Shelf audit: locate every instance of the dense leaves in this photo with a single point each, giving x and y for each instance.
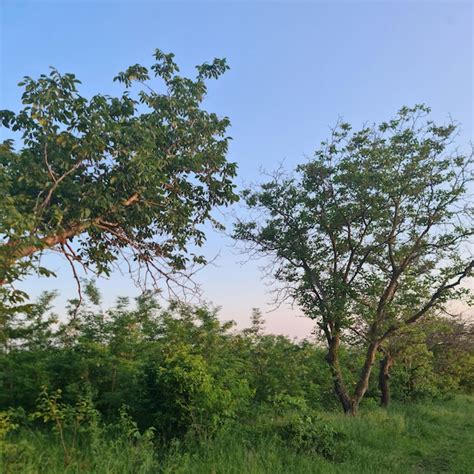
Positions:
(136, 386)
(179, 368)
(105, 178)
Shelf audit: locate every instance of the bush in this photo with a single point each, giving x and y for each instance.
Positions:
(299, 428)
(310, 434)
(187, 397)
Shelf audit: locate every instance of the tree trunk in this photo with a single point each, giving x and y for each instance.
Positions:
(332, 358)
(384, 375)
(363, 382)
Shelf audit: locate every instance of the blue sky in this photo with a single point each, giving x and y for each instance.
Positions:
(295, 68)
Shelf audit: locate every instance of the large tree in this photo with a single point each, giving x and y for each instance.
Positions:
(370, 234)
(104, 178)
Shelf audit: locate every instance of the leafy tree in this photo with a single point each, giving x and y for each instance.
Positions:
(193, 380)
(428, 359)
(451, 341)
(406, 352)
(106, 178)
(368, 234)
(31, 329)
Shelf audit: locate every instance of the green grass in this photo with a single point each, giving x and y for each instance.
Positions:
(431, 438)
(417, 438)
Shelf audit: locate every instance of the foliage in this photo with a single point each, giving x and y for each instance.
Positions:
(303, 430)
(431, 358)
(369, 237)
(408, 438)
(69, 422)
(7, 449)
(103, 179)
(188, 396)
(184, 372)
(141, 388)
(370, 234)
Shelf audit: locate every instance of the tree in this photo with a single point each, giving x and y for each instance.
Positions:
(107, 178)
(431, 357)
(407, 348)
(370, 234)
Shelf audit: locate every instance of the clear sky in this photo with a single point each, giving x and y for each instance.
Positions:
(295, 68)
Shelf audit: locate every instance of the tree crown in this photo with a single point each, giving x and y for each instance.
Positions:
(132, 176)
(372, 227)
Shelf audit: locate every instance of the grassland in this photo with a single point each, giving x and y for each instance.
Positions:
(417, 438)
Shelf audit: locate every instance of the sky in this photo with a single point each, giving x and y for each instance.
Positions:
(296, 68)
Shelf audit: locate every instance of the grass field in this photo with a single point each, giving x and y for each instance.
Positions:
(417, 438)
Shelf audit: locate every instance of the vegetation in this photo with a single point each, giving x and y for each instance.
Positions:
(106, 179)
(416, 438)
(370, 238)
(141, 388)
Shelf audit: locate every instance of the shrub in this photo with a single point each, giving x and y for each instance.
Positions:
(311, 434)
